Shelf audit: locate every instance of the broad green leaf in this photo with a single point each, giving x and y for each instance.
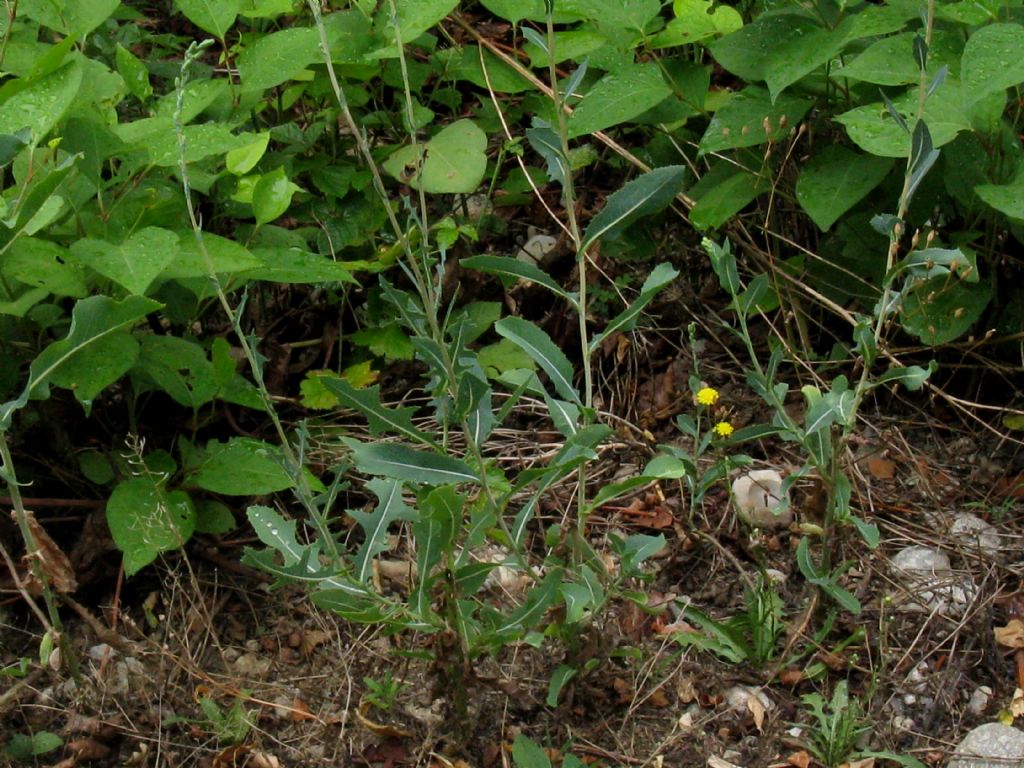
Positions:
(750, 52)
(408, 464)
(992, 60)
(180, 368)
(23, 747)
(527, 754)
(515, 268)
(42, 103)
(642, 196)
(388, 341)
(890, 61)
(390, 508)
(503, 356)
(265, 9)
(134, 72)
(697, 20)
(98, 366)
(382, 420)
(618, 97)
(201, 141)
(213, 16)
(1005, 198)
(278, 57)
(227, 257)
(873, 129)
(464, 64)
(272, 195)
(721, 194)
(665, 467)
(751, 117)
(835, 179)
(617, 16)
(532, 10)
(570, 45)
(242, 467)
(214, 517)
(802, 56)
(243, 159)
(145, 519)
(93, 320)
(69, 17)
(135, 263)
(290, 265)
(44, 264)
(660, 276)
(943, 308)
(414, 18)
(452, 162)
(539, 346)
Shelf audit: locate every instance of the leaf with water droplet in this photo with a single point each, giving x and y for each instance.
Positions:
(41, 104)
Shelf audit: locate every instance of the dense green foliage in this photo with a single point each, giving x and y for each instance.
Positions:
(150, 208)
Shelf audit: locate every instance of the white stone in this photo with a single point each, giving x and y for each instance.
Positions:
(974, 534)
(917, 560)
(738, 697)
(759, 499)
(537, 249)
(930, 585)
(251, 665)
(992, 745)
(979, 700)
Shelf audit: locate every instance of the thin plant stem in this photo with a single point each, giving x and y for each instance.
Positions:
(54, 626)
(293, 465)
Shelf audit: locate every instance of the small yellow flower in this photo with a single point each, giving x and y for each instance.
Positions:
(707, 396)
(723, 429)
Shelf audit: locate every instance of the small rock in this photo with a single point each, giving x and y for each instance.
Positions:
(921, 560)
(478, 206)
(537, 249)
(101, 652)
(992, 745)
(974, 534)
(251, 665)
(759, 499)
(930, 584)
(738, 696)
(231, 654)
(979, 700)
(775, 576)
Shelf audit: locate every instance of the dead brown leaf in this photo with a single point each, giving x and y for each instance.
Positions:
(791, 676)
(300, 711)
(867, 762)
(757, 710)
(658, 698)
(881, 468)
(236, 756)
(311, 638)
(53, 564)
(88, 749)
(1012, 635)
(263, 760)
(799, 759)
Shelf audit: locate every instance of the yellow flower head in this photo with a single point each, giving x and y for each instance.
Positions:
(707, 396)
(723, 429)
